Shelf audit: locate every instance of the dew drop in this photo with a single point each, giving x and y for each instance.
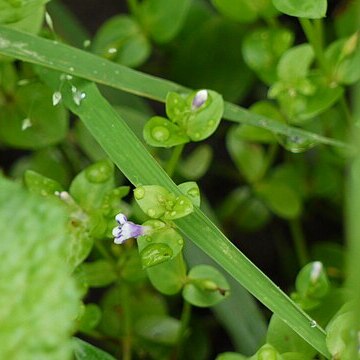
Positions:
(139, 193)
(313, 323)
(173, 213)
(26, 123)
(78, 96)
(151, 212)
(211, 122)
(181, 242)
(112, 50)
(86, 43)
(193, 192)
(71, 69)
(148, 238)
(197, 135)
(181, 202)
(160, 133)
(161, 198)
(56, 98)
(23, 82)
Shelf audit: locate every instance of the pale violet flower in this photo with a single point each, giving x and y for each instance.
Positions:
(200, 98)
(127, 229)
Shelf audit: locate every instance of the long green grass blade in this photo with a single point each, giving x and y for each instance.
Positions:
(130, 155)
(64, 58)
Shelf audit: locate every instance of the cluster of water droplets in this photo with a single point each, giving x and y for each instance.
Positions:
(77, 95)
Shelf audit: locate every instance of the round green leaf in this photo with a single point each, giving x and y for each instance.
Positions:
(248, 157)
(162, 19)
(344, 58)
(160, 132)
(239, 10)
(90, 317)
(191, 190)
(86, 351)
(121, 39)
(12, 11)
(98, 273)
(155, 253)
(205, 286)
(284, 339)
(161, 235)
(231, 356)
(176, 106)
(312, 281)
(303, 9)
(168, 277)
(41, 185)
(262, 49)
(280, 198)
(162, 330)
(197, 163)
(204, 121)
(31, 121)
(91, 185)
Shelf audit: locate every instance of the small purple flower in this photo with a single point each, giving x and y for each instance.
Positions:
(127, 229)
(200, 98)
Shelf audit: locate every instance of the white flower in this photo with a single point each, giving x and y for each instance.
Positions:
(127, 229)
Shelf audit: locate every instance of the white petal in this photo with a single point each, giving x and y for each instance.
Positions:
(116, 231)
(121, 218)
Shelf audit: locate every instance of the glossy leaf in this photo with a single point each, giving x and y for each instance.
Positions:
(86, 351)
(303, 9)
(192, 191)
(197, 163)
(168, 277)
(41, 185)
(91, 185)
(30, 121)
(120, 39)
(90, 317)
(160, 132)
(262, 49)
(280, 198)
(98, 273)
(205, 286)
(162, 19)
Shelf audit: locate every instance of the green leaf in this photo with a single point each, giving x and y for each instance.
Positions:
(248, 157)
(244, 10)
(344, 56)
(197, 163)
(91, 185)
(86, 351)
(267, 352)
(162, 244)
(31, 121)
(32, 23)
(192, 191)
(41, 185)
(120, 39)
(284, 339)
(280, 198)
(303, 9)
(205, 286)
(33, 271)
(160, 132)
(12, 11)
(168, 277)
(262, 49)
(312, 281)
(162, 19)
(158, 329)
(90, 318)
(230, 356)
(98, 273)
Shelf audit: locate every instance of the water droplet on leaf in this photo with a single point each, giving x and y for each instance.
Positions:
(139, 193)
(160, 133)
(56, 98)
(151, 212)
(313, 323)
(26, 123)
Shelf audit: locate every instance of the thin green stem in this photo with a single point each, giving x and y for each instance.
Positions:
(184, 323)
(345, 109)
(127, 339)
(299, 241)
(315, 41)
(174, 159)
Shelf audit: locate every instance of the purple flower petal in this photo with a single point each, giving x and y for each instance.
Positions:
(200, 98)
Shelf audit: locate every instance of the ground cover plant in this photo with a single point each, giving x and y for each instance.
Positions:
(181, 183)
